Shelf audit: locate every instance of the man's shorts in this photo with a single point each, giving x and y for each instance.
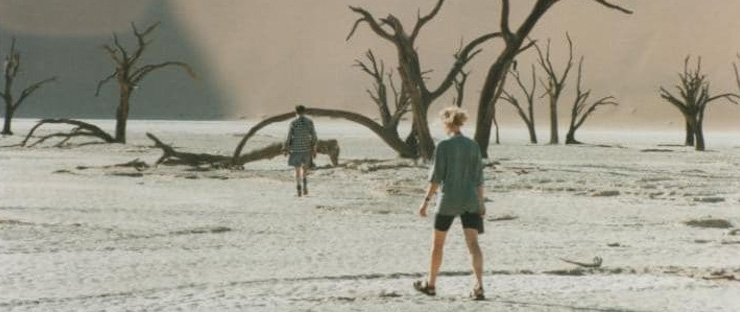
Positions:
(469, 221)
(300, 159)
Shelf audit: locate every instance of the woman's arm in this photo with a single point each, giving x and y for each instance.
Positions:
(436, 177)
(482, 199)
(430, 192)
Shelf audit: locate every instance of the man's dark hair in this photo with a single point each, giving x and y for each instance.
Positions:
(300, 109)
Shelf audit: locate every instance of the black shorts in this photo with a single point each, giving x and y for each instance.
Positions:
(469, 221)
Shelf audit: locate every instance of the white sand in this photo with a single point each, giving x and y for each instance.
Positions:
(176, 239)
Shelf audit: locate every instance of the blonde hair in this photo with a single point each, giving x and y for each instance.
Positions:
(453, 116)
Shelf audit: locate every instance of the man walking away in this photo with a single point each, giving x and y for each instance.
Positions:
(301, 146)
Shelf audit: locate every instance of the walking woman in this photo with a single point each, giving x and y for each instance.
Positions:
(458, 169)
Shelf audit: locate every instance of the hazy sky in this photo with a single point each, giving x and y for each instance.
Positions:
(265, 56)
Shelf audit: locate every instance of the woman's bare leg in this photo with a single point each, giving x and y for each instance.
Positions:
(471, 239)
(438, 245)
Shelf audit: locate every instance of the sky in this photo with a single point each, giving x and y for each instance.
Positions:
(261, 57)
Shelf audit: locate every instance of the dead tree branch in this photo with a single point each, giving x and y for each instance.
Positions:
(379, 94)
(139, 74)
(526, 114)
(392, 140)
(82, 129)
(581, 109)
(614, 6)
(597, 262)
(11, 69)
(421, 21)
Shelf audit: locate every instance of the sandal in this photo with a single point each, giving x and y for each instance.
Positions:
(478, 294)
(423, 287)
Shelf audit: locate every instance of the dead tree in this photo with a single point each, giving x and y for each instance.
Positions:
(391, 29)
(82, 129)
(129, 74)
(11, 69)
(527, 114)
(514, 44)
(582, 109)
(692, 101)
(554, 84)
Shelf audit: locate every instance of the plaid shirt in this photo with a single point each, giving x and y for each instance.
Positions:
(301, 135)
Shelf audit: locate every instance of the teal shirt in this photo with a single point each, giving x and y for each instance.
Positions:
(458, 169)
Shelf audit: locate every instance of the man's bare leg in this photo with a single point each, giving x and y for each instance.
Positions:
(298, 180)
(306, 169)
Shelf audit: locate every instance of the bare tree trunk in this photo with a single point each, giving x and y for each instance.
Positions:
(411, 140)
(532, 133)
(122, 114)
(495, 124)
(698, 131)
(8, 118)
(689, 133)
(423, 136)
(570, 138)
(530, 124)
(699, 137)
(499, 69)
(10, 70)
(410, 72)
(554, 122)
(486, 103)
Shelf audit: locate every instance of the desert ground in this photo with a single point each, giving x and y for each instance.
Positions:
(78, 234)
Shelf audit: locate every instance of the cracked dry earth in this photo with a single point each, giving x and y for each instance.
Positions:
(79, 235)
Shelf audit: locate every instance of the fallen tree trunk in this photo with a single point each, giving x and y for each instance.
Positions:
(327, 147)
(172, 157)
